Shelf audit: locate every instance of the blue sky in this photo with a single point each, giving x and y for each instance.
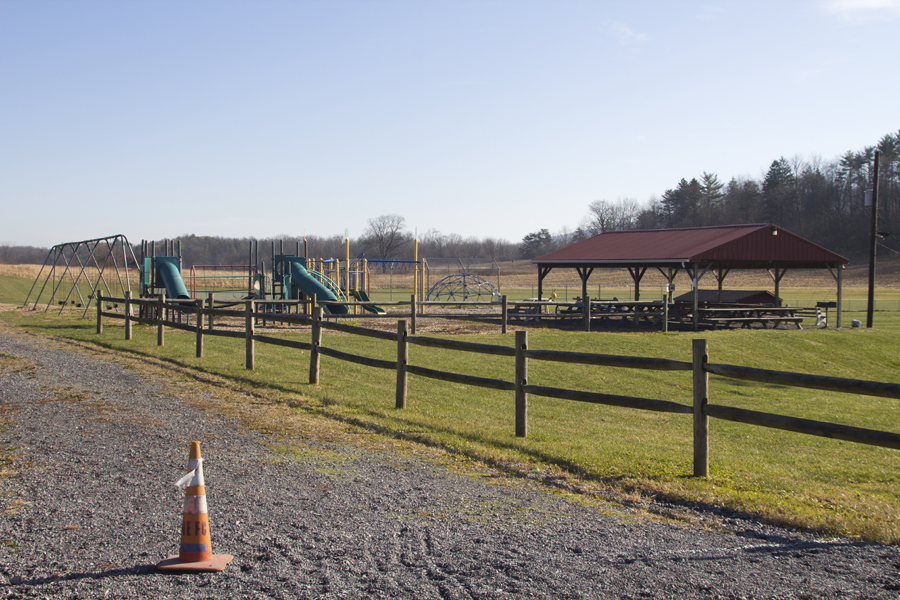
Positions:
(488, 118)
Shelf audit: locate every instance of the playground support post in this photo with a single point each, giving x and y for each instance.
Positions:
(421, 267)
(346, 269)
(402, 361)
(412, 314)
(701, 399)
(521, 382)
(416, 275)
(365, 275)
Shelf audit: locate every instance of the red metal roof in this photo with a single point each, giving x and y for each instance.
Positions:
(740, 245)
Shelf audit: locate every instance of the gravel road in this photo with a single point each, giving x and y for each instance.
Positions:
(90, 508)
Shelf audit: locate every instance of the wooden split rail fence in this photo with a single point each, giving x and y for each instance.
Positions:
(700, 409)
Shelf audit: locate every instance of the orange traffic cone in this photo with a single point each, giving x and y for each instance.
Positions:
(196, 549)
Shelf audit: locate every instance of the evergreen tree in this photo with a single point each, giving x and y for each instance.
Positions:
(710, 198)
(779, 197)
(536, 243)
(680, 206)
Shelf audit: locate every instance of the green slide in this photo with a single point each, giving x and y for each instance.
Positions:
(301, 279)
(167, 268)
(362, 296)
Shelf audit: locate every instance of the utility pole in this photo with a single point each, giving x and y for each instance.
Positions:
(873, 238)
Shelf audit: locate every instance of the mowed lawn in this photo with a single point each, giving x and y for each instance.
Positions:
(825, 485)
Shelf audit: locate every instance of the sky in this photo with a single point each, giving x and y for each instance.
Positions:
(484, 118)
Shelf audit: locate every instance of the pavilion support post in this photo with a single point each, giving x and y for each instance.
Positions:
(721, 273)
(669, 274)
(637, 273)
(542, 272)
(584, 274)
(671, 286)
(777, 277)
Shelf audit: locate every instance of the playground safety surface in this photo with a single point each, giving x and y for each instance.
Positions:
(91, 449)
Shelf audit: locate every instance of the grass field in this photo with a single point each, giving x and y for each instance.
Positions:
(824, 485)
(820, 484)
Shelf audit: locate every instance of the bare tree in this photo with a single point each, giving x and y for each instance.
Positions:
(386, 236)
(433, 244)
(612, 216)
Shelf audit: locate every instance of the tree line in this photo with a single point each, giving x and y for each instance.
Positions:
(822, 201)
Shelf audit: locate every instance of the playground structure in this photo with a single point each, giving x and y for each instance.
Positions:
(100, 263)
(487, 269)
(73, 272)
(464, 287)
(287, 280)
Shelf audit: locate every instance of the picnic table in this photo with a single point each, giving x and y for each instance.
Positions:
(747, 316)
(534, 309)
(529, 309)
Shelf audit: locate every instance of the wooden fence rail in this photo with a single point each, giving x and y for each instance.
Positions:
(700, 408)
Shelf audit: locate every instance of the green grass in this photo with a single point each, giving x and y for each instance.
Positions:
(820, 484)
(15, 290)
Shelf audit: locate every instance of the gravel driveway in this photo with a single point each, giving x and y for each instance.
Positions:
(91, 508)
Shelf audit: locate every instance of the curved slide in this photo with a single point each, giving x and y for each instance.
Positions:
(362, 296)
(301, 279)
(172, 278)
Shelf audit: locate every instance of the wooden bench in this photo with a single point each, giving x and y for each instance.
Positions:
(524, 312)
(748, 321)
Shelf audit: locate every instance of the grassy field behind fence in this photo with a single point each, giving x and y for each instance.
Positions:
(825, 485)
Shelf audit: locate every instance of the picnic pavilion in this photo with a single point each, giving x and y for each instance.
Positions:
(697, 251)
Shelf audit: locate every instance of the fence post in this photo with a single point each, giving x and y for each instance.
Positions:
(210, 306)
(316, 341)
(402, 361)
(160, 332)
(701, 398)
(128, 315)
(504, 309)
(248, 329)
(99, 312)
(199, 302)
(665, 323)
(412, 316)
(587, 314)
(521, 382)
